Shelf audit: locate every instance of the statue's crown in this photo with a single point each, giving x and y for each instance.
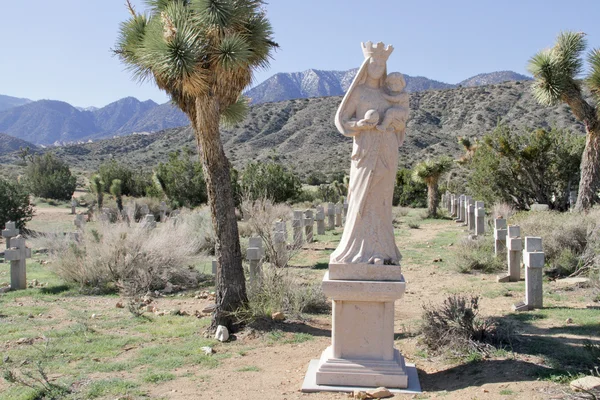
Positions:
(376, 50)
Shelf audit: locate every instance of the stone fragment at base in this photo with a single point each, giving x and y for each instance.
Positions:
(362, 349)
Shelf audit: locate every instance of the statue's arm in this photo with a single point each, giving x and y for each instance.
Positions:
(347, 122)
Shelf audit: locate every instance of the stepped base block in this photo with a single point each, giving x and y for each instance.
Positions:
(310, 382)
(362, 372)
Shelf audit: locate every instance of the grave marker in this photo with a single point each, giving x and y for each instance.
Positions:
(9, 231)
(514, 247)
(163, 211)
(73, 206)
(320, 218)
(309, 223)
(17, 255)
(479, 218)
(500, 233)
(330, 216)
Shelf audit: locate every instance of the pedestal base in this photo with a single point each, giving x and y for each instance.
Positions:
(310, 382)
(361, 372)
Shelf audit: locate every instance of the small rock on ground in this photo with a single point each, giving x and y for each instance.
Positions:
(587, 383)
(222, 333)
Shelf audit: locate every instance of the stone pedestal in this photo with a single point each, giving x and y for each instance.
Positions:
(362, 349)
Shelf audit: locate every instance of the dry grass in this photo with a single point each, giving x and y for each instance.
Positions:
(478, 255)
(131, 258)
(502, 210)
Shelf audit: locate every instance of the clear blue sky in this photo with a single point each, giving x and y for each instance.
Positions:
(61, 49)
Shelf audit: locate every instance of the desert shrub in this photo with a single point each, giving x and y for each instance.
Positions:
(316, 178)
(328, 193)
(408, 193)
(130, 258)
(478, 255)
(565, 237)
(260, 215)
(455, 327)
(14, 204)
(522, 168)
(307, 195)
(182, 180)
(269, 180)
(280, 291)
(134, 182)
(47, 176)
(502, 210)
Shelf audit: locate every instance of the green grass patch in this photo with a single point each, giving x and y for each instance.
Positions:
(158, 377)
(249, 368)
(112, 387)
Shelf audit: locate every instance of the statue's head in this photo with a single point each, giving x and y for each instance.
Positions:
(377, 54)
(395, 82)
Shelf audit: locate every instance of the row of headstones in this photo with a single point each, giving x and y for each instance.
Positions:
(505, 238)
(16, 252)
(466, 211)
(301, 220)
(531, 251)
(149, 221)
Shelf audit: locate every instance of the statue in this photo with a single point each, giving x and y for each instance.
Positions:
(374, 112)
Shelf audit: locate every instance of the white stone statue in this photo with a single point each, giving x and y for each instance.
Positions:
(374, 112)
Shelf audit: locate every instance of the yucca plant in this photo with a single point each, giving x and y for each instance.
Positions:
(116, 189)
(203, 54)
(557, 71)
(429, 172)
(98, 188)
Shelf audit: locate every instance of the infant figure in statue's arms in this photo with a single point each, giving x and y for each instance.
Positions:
(395, 117)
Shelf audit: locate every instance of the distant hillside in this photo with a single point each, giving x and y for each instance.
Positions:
(8, 144)
(301, 134)
(7, 102)
(48, 122)
(315, 83)
(493, 78)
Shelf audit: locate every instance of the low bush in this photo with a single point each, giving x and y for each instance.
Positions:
(47, 176)
(280, 291)
(133, 182)
(182, 180)
(269, 180)
(408, 193)
(130, 258)
(478, 255)
(14, 204)
(455, 327)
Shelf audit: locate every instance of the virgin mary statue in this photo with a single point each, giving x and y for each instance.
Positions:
(369, 234)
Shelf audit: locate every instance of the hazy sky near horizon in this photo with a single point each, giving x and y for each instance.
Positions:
(61, 50)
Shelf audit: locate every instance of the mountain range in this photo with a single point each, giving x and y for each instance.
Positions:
(300, 133)
(51, 122)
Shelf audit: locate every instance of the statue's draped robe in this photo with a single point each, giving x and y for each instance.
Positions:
(369, 231)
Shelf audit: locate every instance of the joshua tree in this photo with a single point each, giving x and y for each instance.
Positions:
(116, 189)
(98, 188)
(429, 172)
(556, 71)
(203, 54)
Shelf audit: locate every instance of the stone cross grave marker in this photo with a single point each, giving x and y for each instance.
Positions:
(479, 218)
(472, 216)
(17, 255)
(533, 258)
(309, 223)
(297, 225)
(330, 216)
(73, 206)
(163, 211)
(500, 233)
(254, 254)
(461, 209)
(338, 215)
(279, 242)
(10, 231)
(320, 218)
(514, 247)
(149, 221)
(80, 221)
(467, 215)
(453, 206)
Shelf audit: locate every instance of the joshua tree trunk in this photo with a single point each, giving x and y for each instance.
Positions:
(230, 280)
(590, 172)
(432, 197)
